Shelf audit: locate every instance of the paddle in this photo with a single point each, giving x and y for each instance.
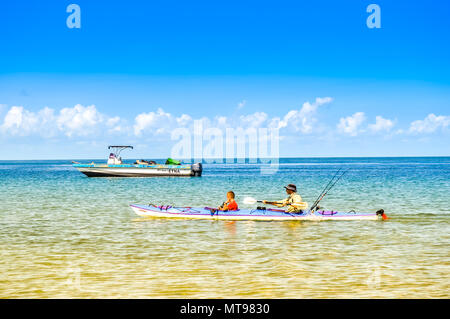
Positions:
(251, 201)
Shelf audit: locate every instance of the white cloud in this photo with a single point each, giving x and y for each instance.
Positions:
(87, 120)
(297, 120)
(116, 125)
(78, 120)
(155, 122)
(16, 120)
(350, 124)
(184, 120)
(323, 100)
(381, 124)
(241, 104)
(430, 124)
(113, 121)
(254, 120)
(21, 122)
(301, 120)
(222, 121)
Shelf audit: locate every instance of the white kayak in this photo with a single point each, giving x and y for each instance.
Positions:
(269, 214)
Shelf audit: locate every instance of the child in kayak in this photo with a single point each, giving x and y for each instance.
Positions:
(230, 203)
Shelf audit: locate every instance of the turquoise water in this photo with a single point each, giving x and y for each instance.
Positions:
(65, 235)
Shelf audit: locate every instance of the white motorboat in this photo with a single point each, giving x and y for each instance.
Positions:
(116, 168)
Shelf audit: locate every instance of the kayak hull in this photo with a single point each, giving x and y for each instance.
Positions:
(245, 214)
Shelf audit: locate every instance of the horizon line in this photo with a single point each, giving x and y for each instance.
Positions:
(235, 158)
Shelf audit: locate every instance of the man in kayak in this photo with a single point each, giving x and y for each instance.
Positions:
(293, 201)
(230, 203)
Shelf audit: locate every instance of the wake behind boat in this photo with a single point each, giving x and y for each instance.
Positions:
(116, 168)
(249, 214)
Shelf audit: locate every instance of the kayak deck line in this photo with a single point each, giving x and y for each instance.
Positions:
(246, 214)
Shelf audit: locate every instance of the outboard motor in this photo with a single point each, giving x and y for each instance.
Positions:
(197, 169)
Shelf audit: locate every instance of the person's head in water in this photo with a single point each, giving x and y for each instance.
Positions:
(230, 195)
(291, 188)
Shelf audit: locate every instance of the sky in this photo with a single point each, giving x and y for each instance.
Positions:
(137, 70)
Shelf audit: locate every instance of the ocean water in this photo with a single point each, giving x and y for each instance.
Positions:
(63, 235)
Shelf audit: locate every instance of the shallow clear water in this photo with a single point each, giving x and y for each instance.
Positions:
(66, 235)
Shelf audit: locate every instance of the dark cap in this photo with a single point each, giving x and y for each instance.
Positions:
(291, 187)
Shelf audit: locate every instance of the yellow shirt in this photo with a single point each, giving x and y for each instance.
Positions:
(294, 203)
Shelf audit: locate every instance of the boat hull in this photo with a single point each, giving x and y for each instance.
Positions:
(95, 170)
(245, 214)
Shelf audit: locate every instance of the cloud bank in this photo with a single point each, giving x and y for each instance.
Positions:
(86, 122)
(76, 121)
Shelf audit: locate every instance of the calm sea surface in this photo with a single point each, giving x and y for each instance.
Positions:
(65, 235)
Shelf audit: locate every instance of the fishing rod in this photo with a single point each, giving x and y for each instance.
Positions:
(327, 188)
(323, 191)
